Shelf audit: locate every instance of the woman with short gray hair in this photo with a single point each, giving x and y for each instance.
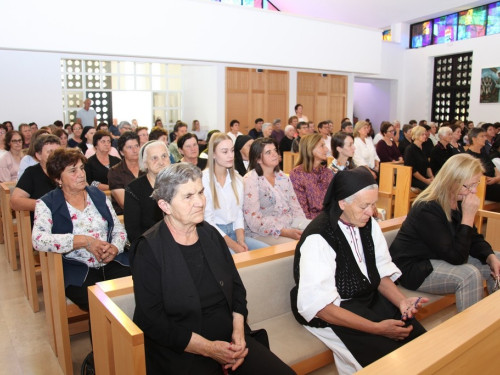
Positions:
(267, 129)
(140, 210)
(442, 151)
(190, 300)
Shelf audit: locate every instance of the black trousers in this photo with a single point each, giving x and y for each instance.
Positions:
(79, 295)
(416, 183)
(259, 360)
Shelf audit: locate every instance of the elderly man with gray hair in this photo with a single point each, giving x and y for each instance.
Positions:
(442, 151)
(345, 293)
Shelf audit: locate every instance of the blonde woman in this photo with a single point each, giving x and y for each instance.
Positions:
(311, 178)
(415, 158)
(365, 154)
(438, 248)
(224, 195)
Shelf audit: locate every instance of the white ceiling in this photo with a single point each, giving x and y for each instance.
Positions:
(378, 14)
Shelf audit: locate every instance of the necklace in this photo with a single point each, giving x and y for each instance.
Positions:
(354, 239)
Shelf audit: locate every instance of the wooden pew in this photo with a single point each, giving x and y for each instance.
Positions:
(9, 225)
(63, 317)
(483, 203)
(465, 344)
(119, 344)
(289, 160)
(492, 228)
(30, 264)
(394, 189)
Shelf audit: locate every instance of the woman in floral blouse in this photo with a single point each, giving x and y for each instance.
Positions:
(311, 177)
(272, 212)
(79, 222)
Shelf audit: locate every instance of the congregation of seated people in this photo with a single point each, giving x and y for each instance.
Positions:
(236, 183)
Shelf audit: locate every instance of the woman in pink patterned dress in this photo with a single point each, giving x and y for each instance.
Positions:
(311, 177)
(272, 212)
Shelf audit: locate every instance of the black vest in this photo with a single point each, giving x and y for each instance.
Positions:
(351, 283)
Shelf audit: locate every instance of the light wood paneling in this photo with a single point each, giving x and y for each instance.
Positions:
(323, 98)
(250, 95)
(237, 108)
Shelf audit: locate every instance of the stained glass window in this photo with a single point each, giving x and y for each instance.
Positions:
(493, 26)
(387, 35)
(421, 34)
(472, 23)
(445, 29)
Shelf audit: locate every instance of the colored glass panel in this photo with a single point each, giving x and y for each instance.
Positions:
(387, 35)
(421, 34)
(445, 29)
(493, 26)
(472, 23)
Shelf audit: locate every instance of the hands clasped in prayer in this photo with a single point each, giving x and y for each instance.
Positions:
(103, 251)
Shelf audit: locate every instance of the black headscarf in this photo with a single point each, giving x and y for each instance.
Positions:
(241, 141)
(342, 186)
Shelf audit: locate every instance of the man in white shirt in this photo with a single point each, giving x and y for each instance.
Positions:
(345, 293)
(86, 116)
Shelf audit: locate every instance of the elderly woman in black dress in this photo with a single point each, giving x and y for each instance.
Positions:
(190, 301)
(141, 211)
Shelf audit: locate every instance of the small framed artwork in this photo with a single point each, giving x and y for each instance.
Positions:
(490, 85)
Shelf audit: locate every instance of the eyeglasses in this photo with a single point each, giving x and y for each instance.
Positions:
(471, 186)
(16, 140)
(3, 133)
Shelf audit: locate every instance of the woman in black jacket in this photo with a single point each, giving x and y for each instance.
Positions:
(438, 248)
(190, 301)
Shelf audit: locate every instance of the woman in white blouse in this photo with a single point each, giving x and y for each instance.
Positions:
(224, 195)
(365, 154)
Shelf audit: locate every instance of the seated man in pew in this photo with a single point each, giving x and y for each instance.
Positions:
(345, 293)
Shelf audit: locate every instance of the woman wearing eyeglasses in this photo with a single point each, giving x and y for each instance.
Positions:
(77, 130)
(438, 248)
(9, 162)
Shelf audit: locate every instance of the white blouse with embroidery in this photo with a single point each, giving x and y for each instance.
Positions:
(88, 222)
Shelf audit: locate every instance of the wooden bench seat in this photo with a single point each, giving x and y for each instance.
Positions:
(267, 275)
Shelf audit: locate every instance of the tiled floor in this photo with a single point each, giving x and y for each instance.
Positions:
(24, 346)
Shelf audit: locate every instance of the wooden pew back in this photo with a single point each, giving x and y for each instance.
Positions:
(9, 226)
(394, 186)
(30, 265)
(63, 319)
(465, 344)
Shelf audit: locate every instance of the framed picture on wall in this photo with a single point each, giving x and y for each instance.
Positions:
(490, 85)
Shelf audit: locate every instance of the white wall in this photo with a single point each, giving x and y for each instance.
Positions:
(30, 87)
(187, 29)
(128, 105)
(372, 100)
(419, 65)
(199, 86)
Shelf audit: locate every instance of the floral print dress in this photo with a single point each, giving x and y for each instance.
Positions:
(88, 222)
(269, 209)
